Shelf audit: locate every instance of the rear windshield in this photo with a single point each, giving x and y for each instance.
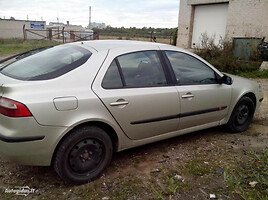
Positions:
(47, 64)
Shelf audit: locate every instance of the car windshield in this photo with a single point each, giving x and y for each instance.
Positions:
(47, 64)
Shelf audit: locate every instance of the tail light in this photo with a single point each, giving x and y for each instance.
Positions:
(12, 108)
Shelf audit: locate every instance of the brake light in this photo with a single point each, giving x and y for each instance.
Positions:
(12, 108)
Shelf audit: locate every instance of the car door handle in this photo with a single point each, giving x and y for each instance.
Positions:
(119, 103)
(188, 95)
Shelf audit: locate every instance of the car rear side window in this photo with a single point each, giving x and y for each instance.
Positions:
(112, 78)
(47, 64)
(189, 70)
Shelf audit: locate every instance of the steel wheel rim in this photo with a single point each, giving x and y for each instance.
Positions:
(242, 114)
(86, 156)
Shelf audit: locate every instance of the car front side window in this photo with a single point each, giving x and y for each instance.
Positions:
(189, 70)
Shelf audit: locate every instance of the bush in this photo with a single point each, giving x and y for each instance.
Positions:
(221, 56)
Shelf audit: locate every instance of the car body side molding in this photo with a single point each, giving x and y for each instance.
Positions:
(199, 112)
(20, 139)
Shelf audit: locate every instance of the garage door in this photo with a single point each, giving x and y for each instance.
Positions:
(210, 19)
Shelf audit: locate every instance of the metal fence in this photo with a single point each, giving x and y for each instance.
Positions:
(59, 35)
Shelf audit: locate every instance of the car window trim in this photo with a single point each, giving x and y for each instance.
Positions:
(166, 68)
(120, 71)
(173, 74)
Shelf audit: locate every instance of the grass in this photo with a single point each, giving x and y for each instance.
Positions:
(254, 74)
(166, 185)
(197, 167)
(254, 169)
(13, 46)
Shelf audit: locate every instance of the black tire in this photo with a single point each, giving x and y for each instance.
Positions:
(83, 155)
(242, 115)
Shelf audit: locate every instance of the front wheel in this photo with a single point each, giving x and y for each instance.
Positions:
(83, 155)
(242, 115)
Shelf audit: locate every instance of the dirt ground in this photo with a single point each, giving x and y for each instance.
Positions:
(197, 160)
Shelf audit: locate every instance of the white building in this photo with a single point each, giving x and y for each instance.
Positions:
(221, 19)
(14, 28)
(70, 32)
(39, 30)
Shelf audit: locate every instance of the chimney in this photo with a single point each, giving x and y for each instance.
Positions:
(89, 20)
(68, 23)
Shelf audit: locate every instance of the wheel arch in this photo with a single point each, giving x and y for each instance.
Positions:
(238, 124)
(252, 96)
(106, 127)
(235, 100)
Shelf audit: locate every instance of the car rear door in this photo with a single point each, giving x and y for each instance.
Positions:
(134, 88)
(203, 100)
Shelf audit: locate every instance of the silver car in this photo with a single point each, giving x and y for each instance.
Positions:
(72, 106)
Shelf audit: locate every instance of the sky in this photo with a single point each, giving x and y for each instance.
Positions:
(117, 13)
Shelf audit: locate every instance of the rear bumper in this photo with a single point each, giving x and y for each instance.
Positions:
(24, 141)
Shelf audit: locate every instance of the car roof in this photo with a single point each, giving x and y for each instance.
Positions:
(100, 45)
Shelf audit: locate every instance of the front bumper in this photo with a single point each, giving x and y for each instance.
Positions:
(24, 141)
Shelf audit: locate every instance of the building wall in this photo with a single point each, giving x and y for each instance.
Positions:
(14, 29)
(185, 27)
(246, 18)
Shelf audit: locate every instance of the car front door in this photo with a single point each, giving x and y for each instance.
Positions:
(203, 100)
(135, 90)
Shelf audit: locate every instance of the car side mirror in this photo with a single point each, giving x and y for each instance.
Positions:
(225, 80)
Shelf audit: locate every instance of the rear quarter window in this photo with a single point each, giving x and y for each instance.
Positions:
(47, 64)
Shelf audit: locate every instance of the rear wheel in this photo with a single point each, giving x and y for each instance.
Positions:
(83, 155)
(242, 115)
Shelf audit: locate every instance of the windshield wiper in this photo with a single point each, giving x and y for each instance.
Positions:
(25, 54)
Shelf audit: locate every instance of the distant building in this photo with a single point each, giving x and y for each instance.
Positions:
(10, 28)
(221, 19)
(71, 32)
(97, 25)
(66, 26)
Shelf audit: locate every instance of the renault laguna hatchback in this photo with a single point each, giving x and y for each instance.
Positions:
(72, 106)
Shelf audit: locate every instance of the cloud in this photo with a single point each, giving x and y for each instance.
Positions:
(127, 13)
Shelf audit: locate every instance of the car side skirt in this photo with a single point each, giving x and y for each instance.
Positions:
(134, 143)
